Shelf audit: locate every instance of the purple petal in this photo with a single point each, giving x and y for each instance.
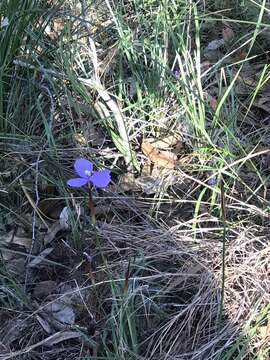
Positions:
(78, 182)
(82, 166)
(101, 178)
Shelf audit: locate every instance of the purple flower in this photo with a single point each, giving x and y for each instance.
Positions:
(212, 181)
(84, 169)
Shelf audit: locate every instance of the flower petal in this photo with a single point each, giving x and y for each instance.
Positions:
(82, 166)
(101, 178)
(78, 182)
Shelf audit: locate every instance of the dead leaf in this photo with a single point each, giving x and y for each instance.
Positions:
(61, 312)
(167, 142)
(70, 295)
(37, 260)
(245, 85)
(169, 155)
(227, 34)
(248, 81)
(160, 158)
(90, 134)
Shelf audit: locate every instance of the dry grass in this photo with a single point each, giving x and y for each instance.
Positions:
(174, 289)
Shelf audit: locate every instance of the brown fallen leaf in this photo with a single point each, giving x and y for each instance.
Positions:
(169, 155)
(158, 157)
(248, 80)
(167, 142)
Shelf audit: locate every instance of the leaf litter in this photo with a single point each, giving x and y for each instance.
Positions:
(56, 316)
(165, 159)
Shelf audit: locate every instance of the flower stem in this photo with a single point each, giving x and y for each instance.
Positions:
(91, 205)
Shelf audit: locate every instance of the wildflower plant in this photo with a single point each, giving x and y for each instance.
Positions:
(100, 179)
